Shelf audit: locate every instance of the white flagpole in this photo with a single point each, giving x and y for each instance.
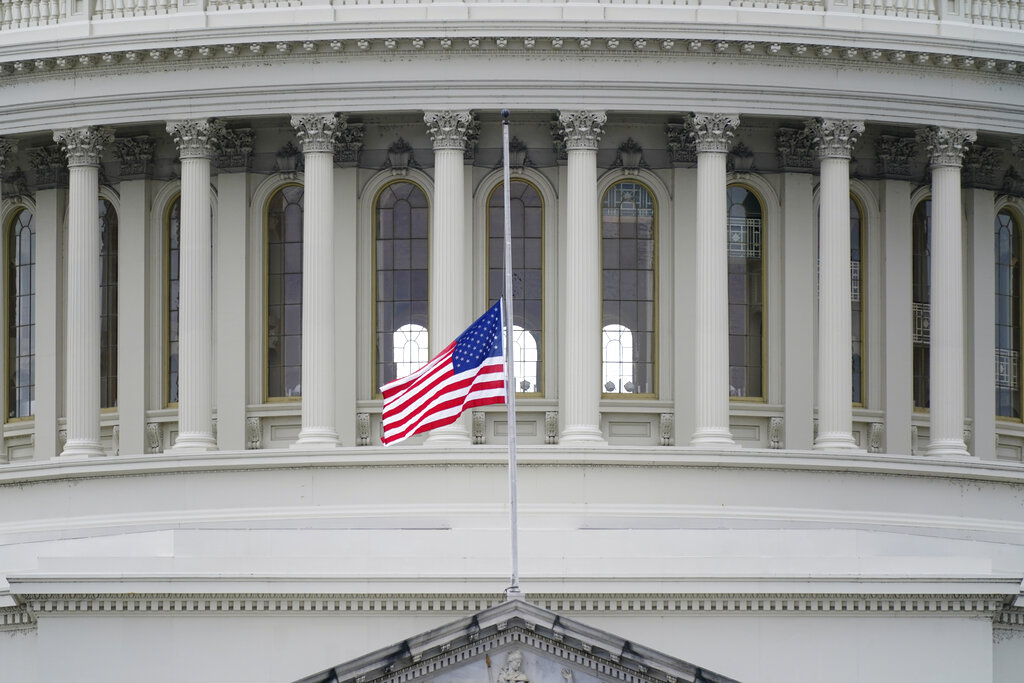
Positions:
(510, 371)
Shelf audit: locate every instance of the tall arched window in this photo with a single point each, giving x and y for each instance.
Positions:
(746, 293)
(857, 300)
(922, 290)
(21, 315)
(284, 293)
(527, 216)
(108, 304)
(401, 223)
(173, 282)
(628, 287)
(1008, 315)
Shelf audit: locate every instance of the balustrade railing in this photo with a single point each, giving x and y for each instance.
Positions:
(20, 14)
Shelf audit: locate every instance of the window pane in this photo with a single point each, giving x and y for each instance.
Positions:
(173, 281)
(284, 292)
(921, 306)
(21, 264)
(108, 304)
(526, 209)
(628, 247)
(401, 257)
(856, 302)
(746, 304)
(1008, 315)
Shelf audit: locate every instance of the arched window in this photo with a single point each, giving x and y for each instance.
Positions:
(401, 222)
(108, 304)
(857, 301)
(1008, 315)
(21, 315)
(173, 282)
(628, 284)
(527, 217)
(746, 293)
(284, 293)
(411, 352)
(921, 306)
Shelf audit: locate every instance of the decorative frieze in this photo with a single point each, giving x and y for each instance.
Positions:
(713, 132)
(134, 156)
(49, 165)
(795, 149)
(558, 141)
(472, 139)
(449, 129)
(946, 146)
(348, 145)
(980, 166)
(681, 148)
(1013, 183)
(895, 156)
(582, 129)
(196, 138)
(235, 150)
(317, 132)
(8, 148)
(834, 138)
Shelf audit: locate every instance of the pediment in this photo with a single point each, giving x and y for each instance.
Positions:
(516, 642)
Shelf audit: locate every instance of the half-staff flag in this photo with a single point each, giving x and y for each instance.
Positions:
(469, 372)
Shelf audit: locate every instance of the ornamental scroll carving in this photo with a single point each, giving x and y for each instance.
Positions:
(196, 138)
(582, 129)
(135, 156)
(49, 166)
(713, 132)
(349, 145)
(235, 149)
(317, 132)
(946, 146)
(895, 155)
(83, 146)
(448, 129)
(795, 149)
(681, 149)
(834, 138)
(980, 166)
(8, 148)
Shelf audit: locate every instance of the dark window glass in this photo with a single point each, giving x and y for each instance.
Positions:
(284, 293)
(1008, 313)
(746, 293)
(921, 306)
(21, 316)
(527, 216)
(173, 284)
(628, 288)
(857, 301)
(402, 217)
(108, 305)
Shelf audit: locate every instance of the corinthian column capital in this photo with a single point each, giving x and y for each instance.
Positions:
(582, 129)
(317, 132)
(83, 146)
(946, 146)
(8, 148)
(713, 132)
(448, 129)
(196, 138)
(835, 138)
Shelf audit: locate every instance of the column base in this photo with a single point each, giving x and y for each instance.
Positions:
(713, 438)
(316, 438)
(835, 441)
(450, 435)
(194, 443)
(82, 448)
(947, 447)
(587, 435)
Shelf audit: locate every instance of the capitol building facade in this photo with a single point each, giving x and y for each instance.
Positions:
(768, 319)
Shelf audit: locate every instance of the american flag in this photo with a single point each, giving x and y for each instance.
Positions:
(469, 372)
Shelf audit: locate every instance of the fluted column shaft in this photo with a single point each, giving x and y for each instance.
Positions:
(196, 139)
(83, 147)
(835, 140)
(946, 349)
(449, 294)
(713, 134)
(317, 133)
(581, 331)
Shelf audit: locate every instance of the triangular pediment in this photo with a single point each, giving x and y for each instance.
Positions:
(516, 642)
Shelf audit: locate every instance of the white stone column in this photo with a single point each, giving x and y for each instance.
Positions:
(196, 140)
(316, 133)
(712, 134)
(835, 140)
(946, 375)
(580, 396)
(83, 147)
(449, 294)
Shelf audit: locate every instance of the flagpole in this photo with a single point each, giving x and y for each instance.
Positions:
(510, 385)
